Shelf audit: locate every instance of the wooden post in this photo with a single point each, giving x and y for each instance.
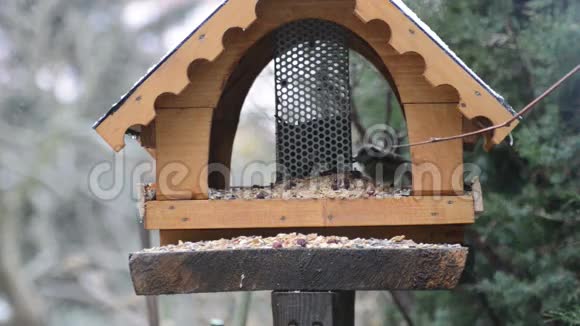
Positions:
(435, 165)
(296, 308)
(152, 301)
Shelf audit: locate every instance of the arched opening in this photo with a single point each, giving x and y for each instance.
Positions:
(377, 115)
(244, 126)
(254, 150)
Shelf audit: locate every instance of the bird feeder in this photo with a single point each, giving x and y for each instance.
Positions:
(185, 113)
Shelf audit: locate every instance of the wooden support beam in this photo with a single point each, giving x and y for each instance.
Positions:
(182, 150)
(174, 272)
(435, 165)
(182, 140)
(330, 308)
(240, 214)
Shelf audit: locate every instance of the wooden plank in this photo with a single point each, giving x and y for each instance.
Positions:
(435, 165)
(477, 196)
(214, 214)
(182, 153)
(330, 308)
(173, 272)
(452, 233)
(152, 303)
(400, 211)
(240, 214)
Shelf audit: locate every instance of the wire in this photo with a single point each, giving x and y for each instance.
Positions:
(507, 123)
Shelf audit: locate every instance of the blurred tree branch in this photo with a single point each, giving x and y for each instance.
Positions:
(28, 308)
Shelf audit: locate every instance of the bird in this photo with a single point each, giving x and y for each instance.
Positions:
(384, 167)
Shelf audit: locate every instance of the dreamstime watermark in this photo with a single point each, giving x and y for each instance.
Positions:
(108, 179)
(382, 136)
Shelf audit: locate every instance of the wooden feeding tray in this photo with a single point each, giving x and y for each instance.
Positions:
(295, 262)
(313, 203)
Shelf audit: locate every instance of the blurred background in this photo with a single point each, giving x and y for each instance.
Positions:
(64, 250)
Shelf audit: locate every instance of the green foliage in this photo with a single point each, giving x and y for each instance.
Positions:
(569, 316)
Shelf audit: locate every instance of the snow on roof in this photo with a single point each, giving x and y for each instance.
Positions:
(397, 3)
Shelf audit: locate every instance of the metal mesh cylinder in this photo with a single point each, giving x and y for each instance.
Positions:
(313, 126)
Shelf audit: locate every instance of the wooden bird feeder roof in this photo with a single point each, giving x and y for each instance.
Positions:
(218, 34)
